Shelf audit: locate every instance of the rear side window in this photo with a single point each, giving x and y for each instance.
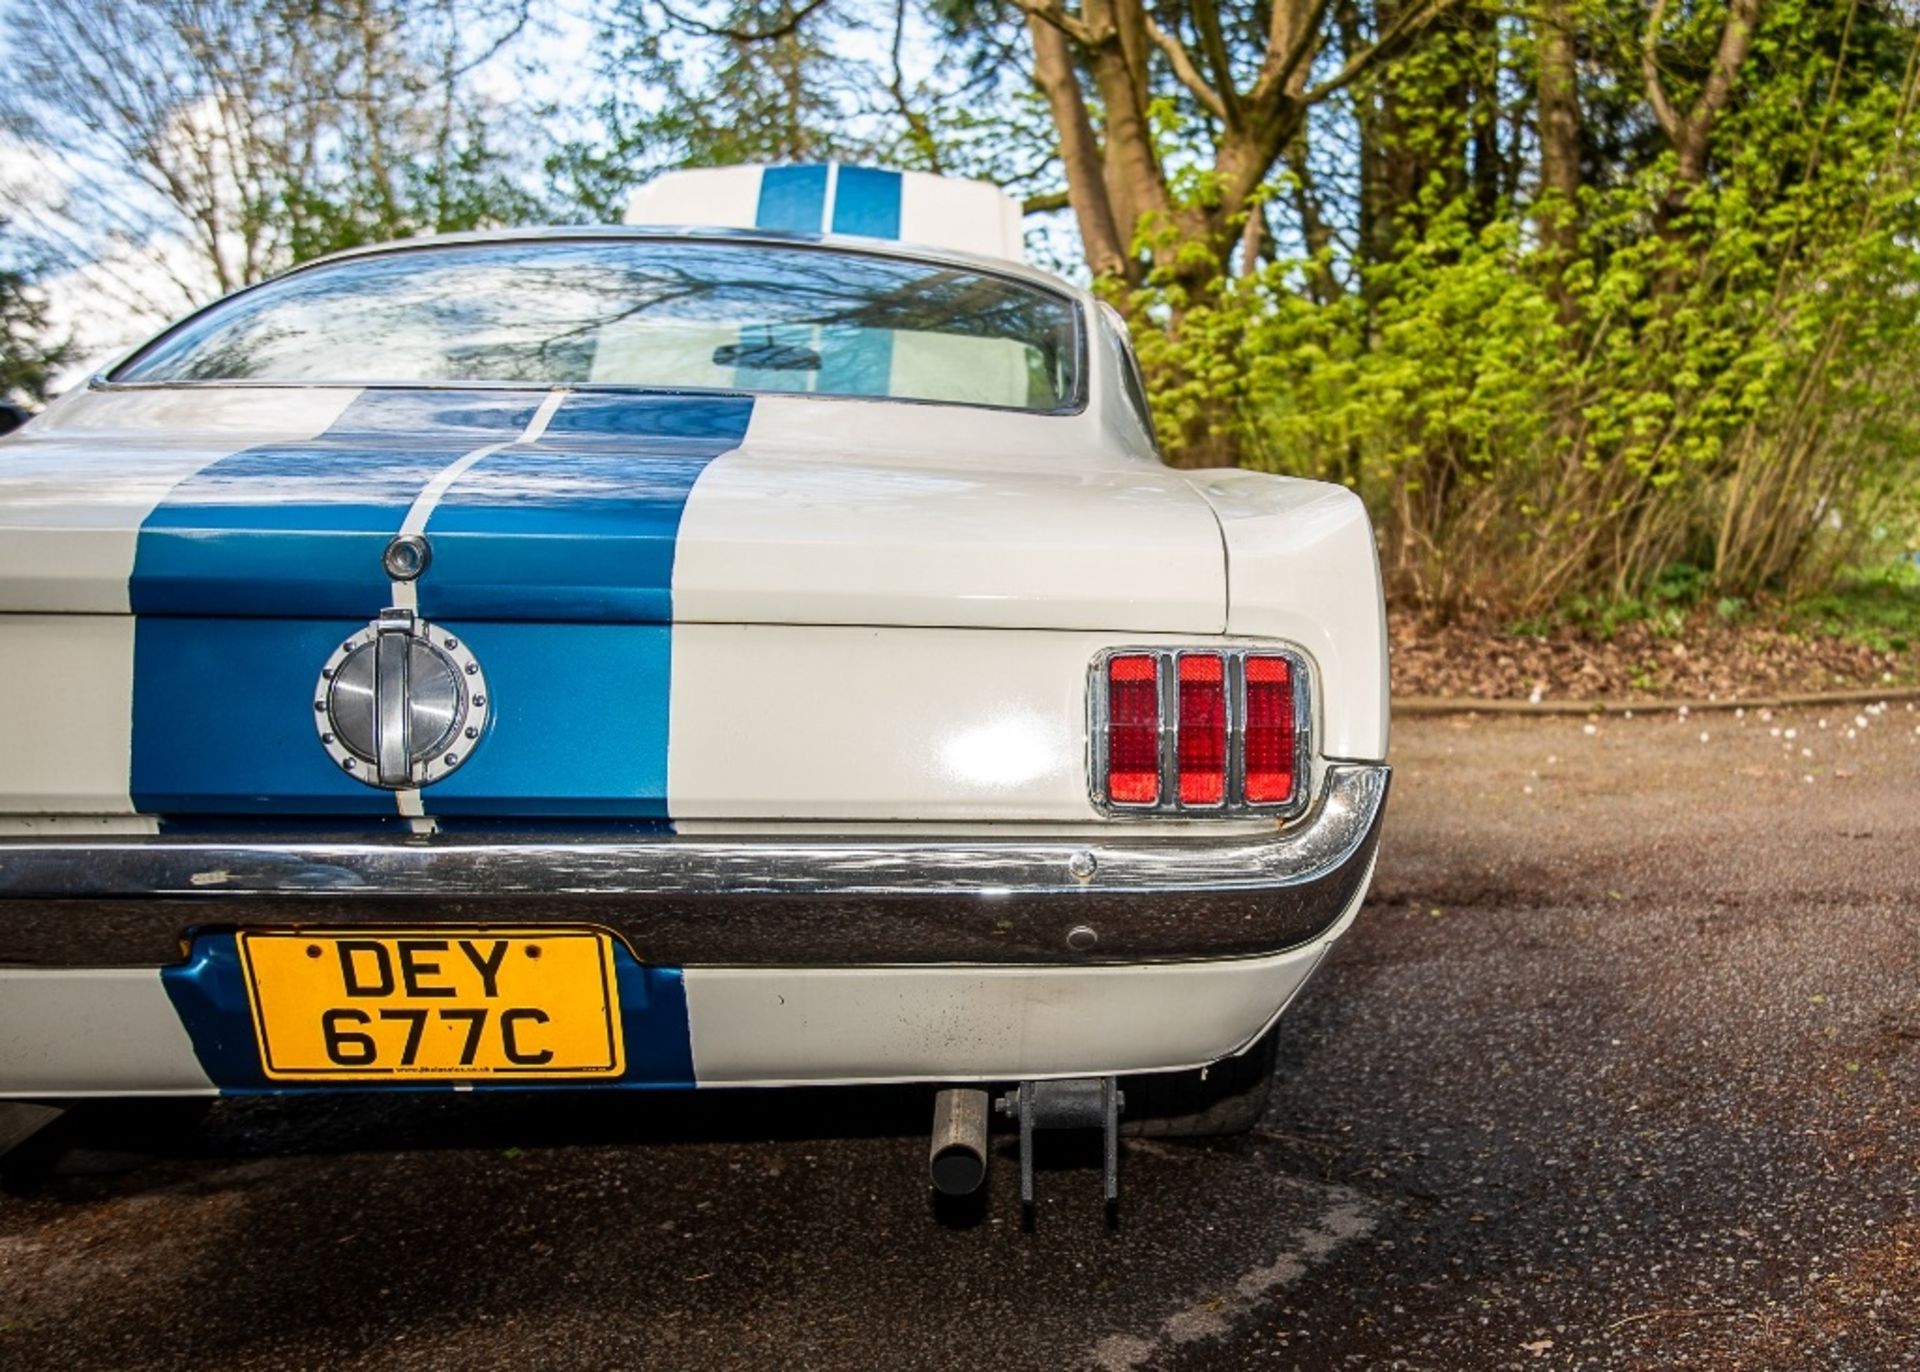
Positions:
(668, 314)
(1114, 330)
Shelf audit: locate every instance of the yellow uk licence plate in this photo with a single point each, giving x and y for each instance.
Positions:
(397, 1004)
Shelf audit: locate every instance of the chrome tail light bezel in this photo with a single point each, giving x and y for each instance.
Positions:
(1167, 686)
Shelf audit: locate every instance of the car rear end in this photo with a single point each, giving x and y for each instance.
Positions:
(397, 734)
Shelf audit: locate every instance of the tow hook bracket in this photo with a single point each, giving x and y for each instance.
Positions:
(1073, 1103)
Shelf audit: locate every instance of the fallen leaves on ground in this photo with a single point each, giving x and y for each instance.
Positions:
(1709, 659)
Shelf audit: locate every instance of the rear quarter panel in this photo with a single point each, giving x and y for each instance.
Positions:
(1302, 567)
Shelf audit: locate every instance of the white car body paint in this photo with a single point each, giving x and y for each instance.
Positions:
(867, 724)
(66, 714)
(774, 1026)
(706, 197)
(93, 1031)
(853, 512)
(970, 216)
(1304, 570)
(831, 513)
(881, 726)
(68, 530)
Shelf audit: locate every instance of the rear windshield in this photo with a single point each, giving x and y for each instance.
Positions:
(664, 314)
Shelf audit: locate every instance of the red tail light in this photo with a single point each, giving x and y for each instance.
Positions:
(1133, 729)
(1208, 731)
(1270, 731)
(1203, 729)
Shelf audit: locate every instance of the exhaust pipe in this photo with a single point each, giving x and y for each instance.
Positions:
(957, 1160)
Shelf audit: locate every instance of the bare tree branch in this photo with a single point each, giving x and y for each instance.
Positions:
(1663, 110)
(916, 120)
(1185, 71)
(1287, 58)
(1213, 43)
(783, 29)
(1389, 45)
(1080, 154)
(1689, 134)
(1051, 12)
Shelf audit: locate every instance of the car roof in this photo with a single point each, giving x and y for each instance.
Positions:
(561, 233)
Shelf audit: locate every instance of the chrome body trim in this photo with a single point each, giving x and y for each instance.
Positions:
(392, 701)
(1114, 896)
(407, 557)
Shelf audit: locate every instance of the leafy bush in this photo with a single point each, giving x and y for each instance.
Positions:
(1712, 394)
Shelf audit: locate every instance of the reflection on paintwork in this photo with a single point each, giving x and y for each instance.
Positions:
(1004, 753)
(871, 538)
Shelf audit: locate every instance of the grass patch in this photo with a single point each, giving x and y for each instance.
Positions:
(1874, 607)
(1879, 609)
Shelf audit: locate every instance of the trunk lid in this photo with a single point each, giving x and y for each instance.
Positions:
(597, 508)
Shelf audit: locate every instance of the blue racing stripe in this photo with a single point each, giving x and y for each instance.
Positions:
(297, 528)
(209, 994)
(792, 199)
(556, 559)
(223, 717)
(582, 524)
(251, 572)
(223, 722)
(579, 723)
(866, 201)
(553, 559)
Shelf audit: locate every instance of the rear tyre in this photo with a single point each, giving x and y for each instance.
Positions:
(1229, 1098)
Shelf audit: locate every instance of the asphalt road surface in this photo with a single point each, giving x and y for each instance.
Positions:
(1621, 1068)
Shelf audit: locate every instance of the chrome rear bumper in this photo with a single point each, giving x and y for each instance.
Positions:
(690, 901)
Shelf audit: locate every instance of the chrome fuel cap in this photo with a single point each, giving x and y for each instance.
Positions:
(401, 704)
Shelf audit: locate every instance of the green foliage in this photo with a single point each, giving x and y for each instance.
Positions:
(1714, 395)
(1880, 608)
(30, 355)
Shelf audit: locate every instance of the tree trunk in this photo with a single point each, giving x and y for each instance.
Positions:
(1691, 132)
(1559, 145)
(1136, 186)
(1107, 254)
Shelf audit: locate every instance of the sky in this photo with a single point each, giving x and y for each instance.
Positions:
(554, 65)
(89, 303)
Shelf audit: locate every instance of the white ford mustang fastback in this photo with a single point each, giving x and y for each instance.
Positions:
(763, 653)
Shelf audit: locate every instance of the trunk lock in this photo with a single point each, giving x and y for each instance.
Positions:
(407, 557)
